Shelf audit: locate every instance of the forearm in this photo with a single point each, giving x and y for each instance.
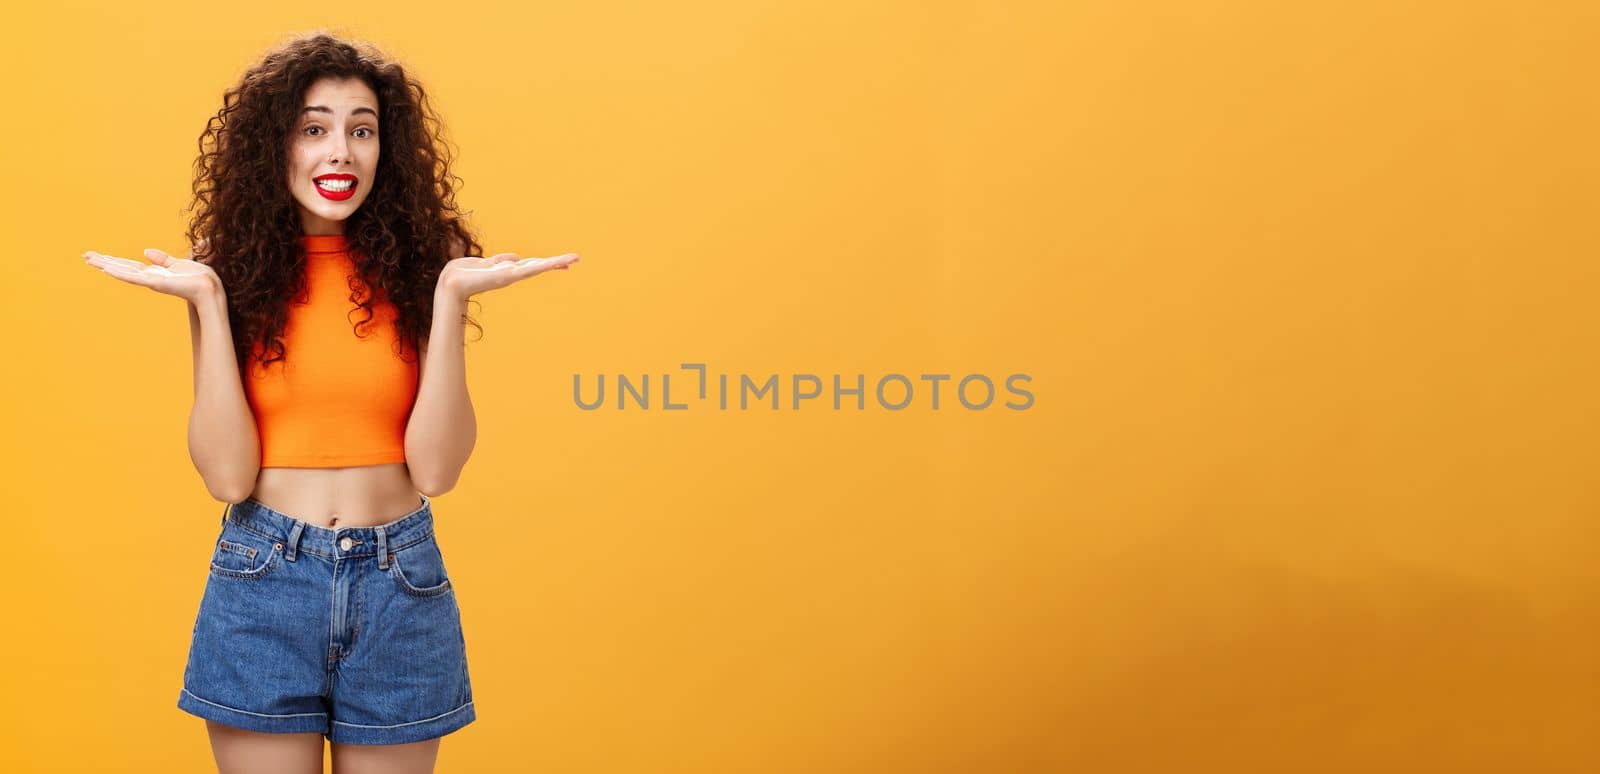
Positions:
(223, 443)
(443, 428)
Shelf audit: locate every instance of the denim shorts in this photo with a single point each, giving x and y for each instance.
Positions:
(352, 632)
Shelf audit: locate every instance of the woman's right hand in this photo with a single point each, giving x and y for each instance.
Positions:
(182, 277)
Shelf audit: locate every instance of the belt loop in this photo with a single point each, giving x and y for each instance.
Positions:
(294, 539)
(383, 549)
(225, 508)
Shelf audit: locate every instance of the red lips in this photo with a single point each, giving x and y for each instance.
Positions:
(336, 195)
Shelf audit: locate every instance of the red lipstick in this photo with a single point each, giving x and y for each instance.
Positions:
(337, 196)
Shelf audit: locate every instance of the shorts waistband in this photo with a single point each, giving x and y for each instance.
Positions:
(299, 535)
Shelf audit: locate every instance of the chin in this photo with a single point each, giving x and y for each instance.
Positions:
(335, 213)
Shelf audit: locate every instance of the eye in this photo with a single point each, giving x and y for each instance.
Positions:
(365, 129)
(309, 128)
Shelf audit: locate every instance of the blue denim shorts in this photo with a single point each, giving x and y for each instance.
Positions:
(352, 632)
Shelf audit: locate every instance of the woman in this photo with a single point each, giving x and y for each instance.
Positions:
(324, 210)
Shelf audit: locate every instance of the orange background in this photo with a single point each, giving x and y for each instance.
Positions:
(1306, 293)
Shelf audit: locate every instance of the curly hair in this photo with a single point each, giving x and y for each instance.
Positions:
(247, 228)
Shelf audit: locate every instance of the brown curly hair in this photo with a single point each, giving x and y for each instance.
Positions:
(247, 228)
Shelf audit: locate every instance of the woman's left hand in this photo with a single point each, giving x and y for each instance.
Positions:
(465, 277)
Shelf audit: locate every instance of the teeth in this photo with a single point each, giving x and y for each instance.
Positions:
(335, 185)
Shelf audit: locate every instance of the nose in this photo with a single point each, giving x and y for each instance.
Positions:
(340, 151)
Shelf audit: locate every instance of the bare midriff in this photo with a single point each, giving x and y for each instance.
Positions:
(364, 496)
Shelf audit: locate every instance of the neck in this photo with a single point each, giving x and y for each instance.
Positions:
(312, 224)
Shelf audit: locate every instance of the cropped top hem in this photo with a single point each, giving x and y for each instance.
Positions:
(331, 460)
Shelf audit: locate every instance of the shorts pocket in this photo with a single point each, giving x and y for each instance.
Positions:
(244, 555)
(418, 569)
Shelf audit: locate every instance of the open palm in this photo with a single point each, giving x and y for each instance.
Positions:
(470, 275)
(180, 277)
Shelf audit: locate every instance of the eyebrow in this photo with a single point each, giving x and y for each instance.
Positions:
(329, 111)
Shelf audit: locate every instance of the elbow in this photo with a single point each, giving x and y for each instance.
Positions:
(231, 489)
(431, 473)
(228, 493)
(432, 481)
(228, 468)
(433, 487)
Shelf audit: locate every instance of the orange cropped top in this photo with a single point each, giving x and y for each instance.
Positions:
(335, 400)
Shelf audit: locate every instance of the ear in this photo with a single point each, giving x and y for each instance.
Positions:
(456, 249)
